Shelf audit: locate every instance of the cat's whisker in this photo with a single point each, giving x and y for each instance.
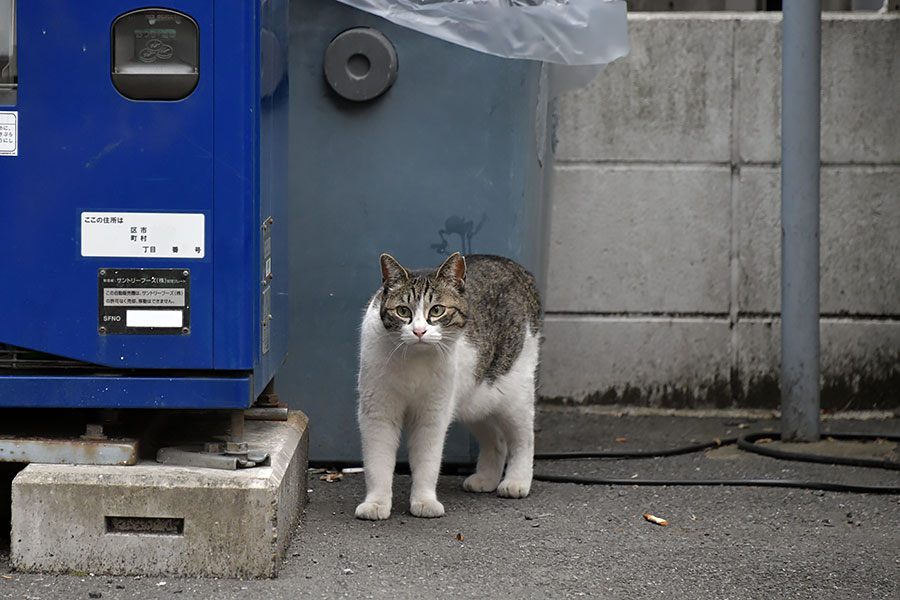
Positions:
(443, 349)
(397, 347)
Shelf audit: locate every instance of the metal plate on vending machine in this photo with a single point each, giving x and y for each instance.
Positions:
(144, 301)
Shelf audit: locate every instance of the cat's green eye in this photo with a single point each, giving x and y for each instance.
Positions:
(403, 312)
(436, 311)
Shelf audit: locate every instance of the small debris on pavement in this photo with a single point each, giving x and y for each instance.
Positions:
(655, 520)
(331, 477)
(459, 537)
(349, 470)
(621, 439)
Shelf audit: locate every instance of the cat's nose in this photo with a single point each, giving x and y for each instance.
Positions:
(419, 333)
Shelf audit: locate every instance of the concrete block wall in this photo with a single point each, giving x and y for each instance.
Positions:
(664, 280)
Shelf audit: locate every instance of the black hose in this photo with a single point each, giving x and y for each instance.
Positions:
(634, 453)
(773, 483)
(748, 444)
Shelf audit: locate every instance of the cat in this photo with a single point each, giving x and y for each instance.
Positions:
(457, 343)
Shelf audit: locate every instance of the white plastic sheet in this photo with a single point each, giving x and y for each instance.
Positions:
(567, 32)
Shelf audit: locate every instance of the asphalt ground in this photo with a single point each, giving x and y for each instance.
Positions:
(568, 540)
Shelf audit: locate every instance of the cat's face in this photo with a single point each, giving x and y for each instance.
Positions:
(424, 310)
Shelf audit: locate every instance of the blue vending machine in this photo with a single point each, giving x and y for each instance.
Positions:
(143, 202)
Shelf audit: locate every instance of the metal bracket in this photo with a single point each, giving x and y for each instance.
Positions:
(214, 455)
(68, 451)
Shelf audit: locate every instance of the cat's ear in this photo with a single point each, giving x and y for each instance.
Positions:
(453, 270)
(391, 270)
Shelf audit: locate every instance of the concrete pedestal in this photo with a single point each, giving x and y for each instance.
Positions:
(152, 519)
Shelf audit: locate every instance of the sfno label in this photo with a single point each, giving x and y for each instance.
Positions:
(144, 302)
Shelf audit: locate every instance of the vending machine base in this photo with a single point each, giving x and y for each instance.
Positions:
(152, 519)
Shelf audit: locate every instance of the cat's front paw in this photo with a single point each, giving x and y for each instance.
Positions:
(480, 483)
(514, 488)
(426, 508)
(372, 511)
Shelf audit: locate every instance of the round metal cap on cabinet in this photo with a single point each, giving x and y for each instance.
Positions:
(360, 64)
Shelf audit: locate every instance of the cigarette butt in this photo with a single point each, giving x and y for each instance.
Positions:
(655, 520)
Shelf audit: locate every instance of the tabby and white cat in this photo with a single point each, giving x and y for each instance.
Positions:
(457, 343)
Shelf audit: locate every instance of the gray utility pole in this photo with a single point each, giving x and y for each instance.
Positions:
(800, 120)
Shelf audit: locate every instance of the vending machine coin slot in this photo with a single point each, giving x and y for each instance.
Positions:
(155, 54)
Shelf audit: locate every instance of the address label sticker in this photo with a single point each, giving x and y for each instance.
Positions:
(146, 235)
(9, 133)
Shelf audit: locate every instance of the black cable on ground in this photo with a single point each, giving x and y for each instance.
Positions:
(773, 483)
(749, 444)
(746, 443)
(634, 453)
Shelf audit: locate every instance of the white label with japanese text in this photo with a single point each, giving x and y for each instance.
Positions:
(147, 235)
(143, 297)
(9, 133)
